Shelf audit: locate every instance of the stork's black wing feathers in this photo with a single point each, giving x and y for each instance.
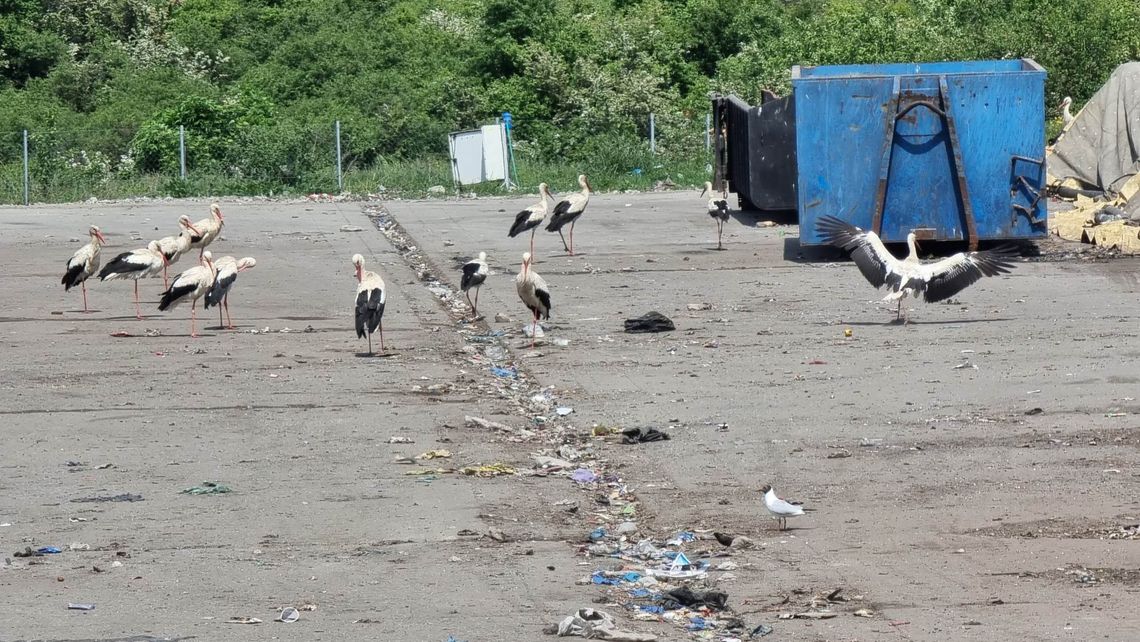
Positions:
(174, 293)
(71, 277)
(120, 265)
(544, 297)
(220, 289)
(471, 276)
(845, 235)
(520, 225)
(951, 276)
(562, 216)
(369, 311)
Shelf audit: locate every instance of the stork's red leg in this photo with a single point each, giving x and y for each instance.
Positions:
(229, 321)
(572, 237)
(138, 312)
(475, 308)
(84, 284)
(382, 336)
(564, 246)
(193, 318)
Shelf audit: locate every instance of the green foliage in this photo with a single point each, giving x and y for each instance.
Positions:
(104, 84)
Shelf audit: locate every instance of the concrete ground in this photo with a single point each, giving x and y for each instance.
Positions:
(945, 502)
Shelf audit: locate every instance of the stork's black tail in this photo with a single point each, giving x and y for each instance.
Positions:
(369, 311)
(171, 296)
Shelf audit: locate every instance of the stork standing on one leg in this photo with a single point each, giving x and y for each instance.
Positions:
(370, 296)
(568, 210)
(534, 293)
(531, 217)
(84, 263)
(227, 270)
(136, 264)
(935, 281)
(193, 285)
(474, 274)
(718, 210)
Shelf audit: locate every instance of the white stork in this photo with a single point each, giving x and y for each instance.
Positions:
(718, 210)
(531, 217)
(207, 229)
(568, 210)
(474, 274)
(910, 277)
(173, 247)
(1067, 115)
(136, 264)
(84, 263)
(227, 270)
(370, 297)
(193, 285)
(781, 509)
(534, 293)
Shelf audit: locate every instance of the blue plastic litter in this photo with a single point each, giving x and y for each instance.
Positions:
(505, 373)
(640, 592)
(649, 608)
(452, 638)
(697, 623)
(686, 536)
(599, 577)
(597, 534)
(631, 576)
(48, 550)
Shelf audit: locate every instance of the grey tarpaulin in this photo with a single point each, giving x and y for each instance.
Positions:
(1101, 148)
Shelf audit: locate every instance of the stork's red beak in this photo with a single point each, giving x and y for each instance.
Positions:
(102, 239)
(194, 229)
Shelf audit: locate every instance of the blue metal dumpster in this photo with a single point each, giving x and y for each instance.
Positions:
(953, 151)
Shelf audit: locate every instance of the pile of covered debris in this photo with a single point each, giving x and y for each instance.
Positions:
(1096, 165)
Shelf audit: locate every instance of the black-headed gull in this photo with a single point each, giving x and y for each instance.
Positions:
(780, 508)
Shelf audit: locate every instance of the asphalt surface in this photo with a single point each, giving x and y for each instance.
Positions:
(947, 509)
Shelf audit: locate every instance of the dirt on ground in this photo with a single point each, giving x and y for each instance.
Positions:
(973, 474)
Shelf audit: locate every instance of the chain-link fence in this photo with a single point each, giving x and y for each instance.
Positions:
(74, 165)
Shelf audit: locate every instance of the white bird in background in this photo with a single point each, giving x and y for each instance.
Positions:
(567, 211)
(531, 217)
(474, 274)
(1067, 115)
(718, 210)
(173, 247)
(136, 264)
(207, 229)
(193, 285)
(935, 281)
(227, 270)
(370, 296)
(779, 508)
(534, 293)
(84, 263)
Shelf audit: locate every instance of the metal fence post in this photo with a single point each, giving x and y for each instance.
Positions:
(708, 131)
(652, 135)
(339, 173)
(182, 150)
(26, 186)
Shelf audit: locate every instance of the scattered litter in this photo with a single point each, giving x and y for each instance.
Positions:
(124, 497)
(551, 463)
(533, 330)
(642, 435)
(48, 550)
(104, 466)
(502, 318)
(561, 343)
(809, 615)
(487, 470)
(613, 579)
(965, 364)
(584, 476)
(351, 228)
(839, 454)
(760, 631)
(593, 624)
(864, 613)
(207, 488)
(80, 607)
(484, 423)
(289, 615)
(78, 546)
(686, 596)
(742, 543)
(243, 620)
(121, 333)
(505, 373)
(651, 322)
(435, 454)
(401, 440)
(597, 534)
(563, 410)
(698, 307)
(1034, 411)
